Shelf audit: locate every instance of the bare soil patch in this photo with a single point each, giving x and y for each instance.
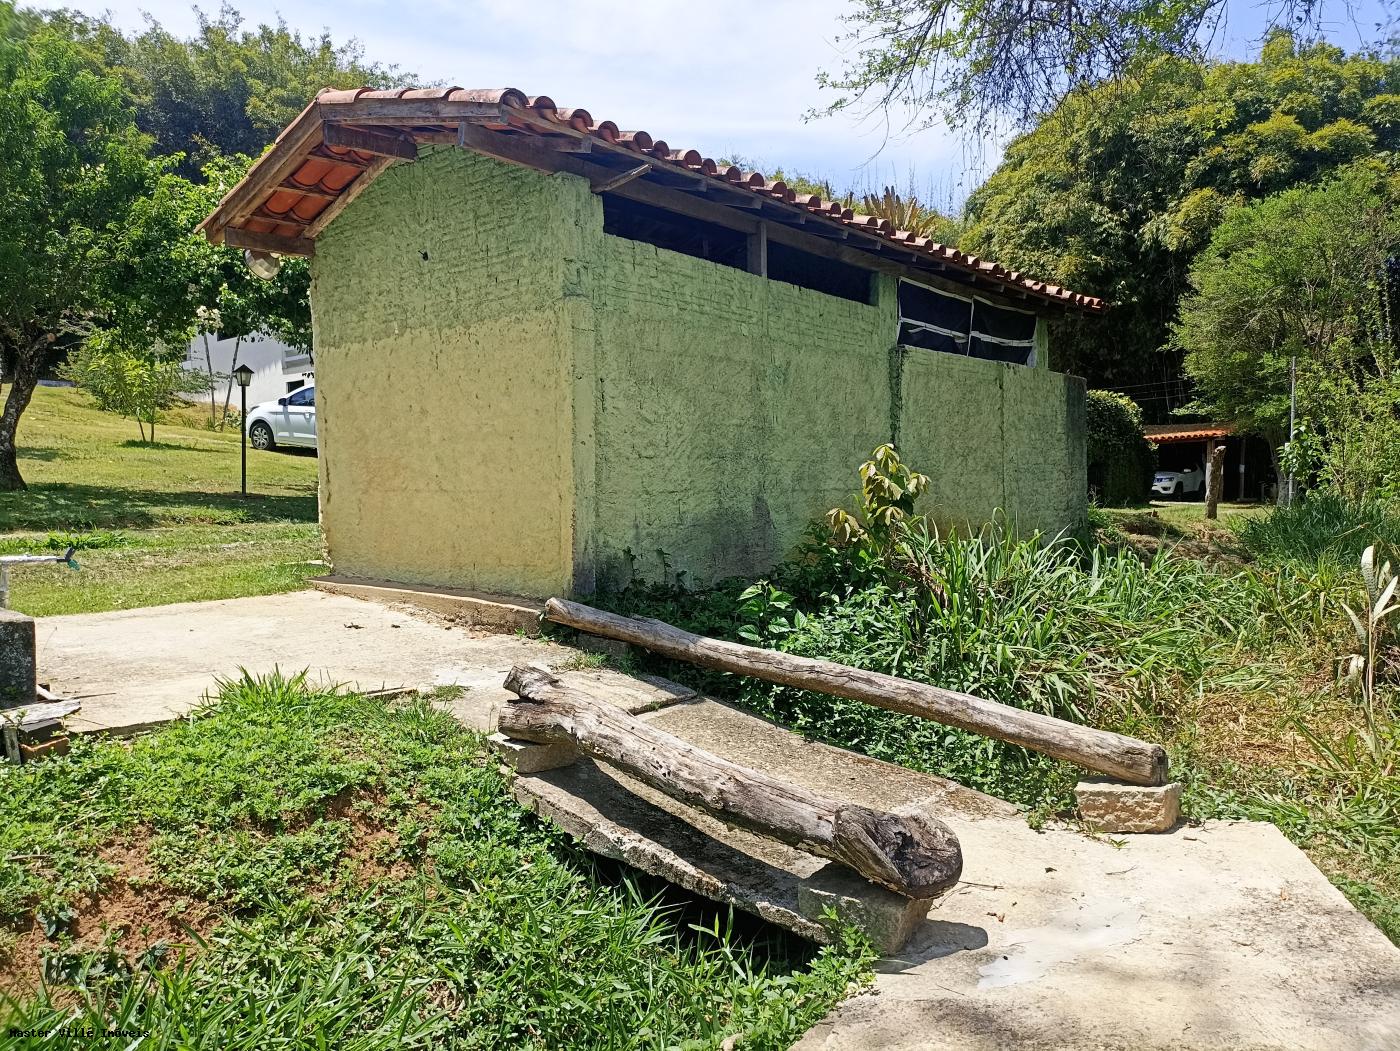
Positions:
(130, 913)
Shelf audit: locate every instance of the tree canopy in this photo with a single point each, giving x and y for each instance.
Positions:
(111, 151)
(228, 89)
(1309, 273)
(71, 163)
(977, 62)
(1115, 192)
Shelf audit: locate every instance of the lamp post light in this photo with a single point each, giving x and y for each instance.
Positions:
(243, 376)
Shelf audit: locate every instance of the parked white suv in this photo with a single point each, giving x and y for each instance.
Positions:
(1178, 483)
(286, 421)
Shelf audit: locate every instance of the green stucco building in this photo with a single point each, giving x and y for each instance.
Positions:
(551, 356)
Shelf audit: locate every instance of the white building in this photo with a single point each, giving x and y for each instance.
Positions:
(277, 368)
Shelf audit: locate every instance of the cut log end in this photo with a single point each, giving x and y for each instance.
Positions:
(525, 678)
(911, 853)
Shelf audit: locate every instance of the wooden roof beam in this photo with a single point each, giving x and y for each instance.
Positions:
(240, 238)
(373, 141)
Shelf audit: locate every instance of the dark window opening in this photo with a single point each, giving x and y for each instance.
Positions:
(624, 217)
(671, 230)
(935, 320)
(820, 274)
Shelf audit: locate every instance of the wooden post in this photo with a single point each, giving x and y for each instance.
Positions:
(912, 853)
(1116, 755)
(758, 251)
(1215, 479)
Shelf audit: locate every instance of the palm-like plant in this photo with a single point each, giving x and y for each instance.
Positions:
(905, 213)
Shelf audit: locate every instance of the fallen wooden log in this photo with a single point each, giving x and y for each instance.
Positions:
(1117, 755)
(910, 853)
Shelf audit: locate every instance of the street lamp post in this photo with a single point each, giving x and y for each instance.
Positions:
(243, 376)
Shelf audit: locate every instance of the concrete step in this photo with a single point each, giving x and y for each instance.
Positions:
(477, 609)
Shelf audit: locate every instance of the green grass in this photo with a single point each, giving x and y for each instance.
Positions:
(154, 523)
(338, 872)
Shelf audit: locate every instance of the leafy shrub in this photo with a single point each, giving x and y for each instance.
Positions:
(131, 384)
(1120, 458)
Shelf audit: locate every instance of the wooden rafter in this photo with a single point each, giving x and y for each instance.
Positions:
(377, 141)
(240, 238)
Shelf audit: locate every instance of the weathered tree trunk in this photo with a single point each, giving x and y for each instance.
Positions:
(912, 854)
(1215, 480)
(1119, 756)
(28, 364)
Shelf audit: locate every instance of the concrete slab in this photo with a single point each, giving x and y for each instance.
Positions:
(134, 669)
(1223, 936)
(1217, 936)
(621, 818)
(138, 668)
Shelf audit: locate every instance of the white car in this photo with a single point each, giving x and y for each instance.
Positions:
(286, 421)
(1179, 483)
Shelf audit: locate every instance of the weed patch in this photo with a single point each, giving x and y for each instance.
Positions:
(289, 861)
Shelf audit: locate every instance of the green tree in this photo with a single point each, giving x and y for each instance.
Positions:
(1308, 273)
(229, 89)
(71, 163)
(1120, 460)
(176, 275)
(974, 62)
(1116, 191)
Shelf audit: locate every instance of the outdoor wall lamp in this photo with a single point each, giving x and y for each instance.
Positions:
(243, 376)
(263, 264)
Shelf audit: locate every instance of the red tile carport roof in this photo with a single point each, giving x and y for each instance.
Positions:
(294, 190)
(1184, 432)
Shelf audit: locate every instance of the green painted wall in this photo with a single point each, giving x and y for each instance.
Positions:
(994, 438)
(442, 333)
(724, 403)
(538, 407)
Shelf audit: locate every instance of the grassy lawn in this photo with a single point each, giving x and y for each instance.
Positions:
(154, 523)
(322, 870)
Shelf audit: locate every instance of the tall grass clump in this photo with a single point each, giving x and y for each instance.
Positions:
(1323, 528)
(1096, 636)
(1101, 638)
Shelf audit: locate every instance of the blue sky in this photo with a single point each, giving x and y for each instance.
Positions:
(727, 77)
